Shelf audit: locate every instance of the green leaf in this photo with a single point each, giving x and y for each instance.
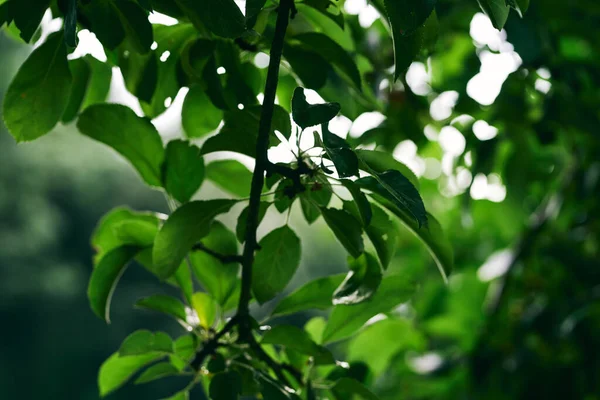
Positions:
(346, 229)
(183, 395)
(135, 138)
(144, 341)
(253, 7)
(115, 371)
(240, 230)
(71, 23)
(521, 6)
(138, 29)
(275, 263)
(360, 200)
(397, 188)
(497, 10)
(199, 116)
(361, 282)
(348, 387)
(306, 115)
(296, 339)
(99, 83)
(314, 198)
(27, 16)
(164, 304)
(240, 131)
(383, 234)
(328, 9)
(185, 350)
(187, 225)
(311, 68)
(105, 21)
(272, 390)
(231, 176)
(332, 52)
(183, 170)
(205, 308)
(105, 277)
(406, 16)
(381, 161)
(43, 84)
(113, 230)
(157, 371)
(432, 236)
(225, 386)
(81, 73)
(345, 320)
(315, 294)
(339, 151)
(220, 280)
(221, 17)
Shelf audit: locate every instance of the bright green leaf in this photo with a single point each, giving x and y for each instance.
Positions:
(144, 341)
(105, 277)
(164, 304)
(205, 308)
(231, 176)
(275, 263)
(199, 116)
(133, 137)
(115, 371)
(351, 387)
(187, 225)
(43, 85)
(157, 371)
(345, 320)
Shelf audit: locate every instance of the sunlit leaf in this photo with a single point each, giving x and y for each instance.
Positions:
(116, 370)
(157, 371)
(144, 341)
(295, 338)
(199, 116)
(231, 176)
(164, 304)
(316, 294)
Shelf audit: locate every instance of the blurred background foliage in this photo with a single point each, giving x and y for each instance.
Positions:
(501, 128)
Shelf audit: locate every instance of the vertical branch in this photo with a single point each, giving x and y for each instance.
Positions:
(262, 144)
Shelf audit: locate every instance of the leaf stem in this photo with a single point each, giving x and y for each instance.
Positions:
(262, 161)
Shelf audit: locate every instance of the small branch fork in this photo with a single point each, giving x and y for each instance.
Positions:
(242, 319)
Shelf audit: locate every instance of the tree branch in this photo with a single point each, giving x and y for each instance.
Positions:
(262, 161)
(224, 258)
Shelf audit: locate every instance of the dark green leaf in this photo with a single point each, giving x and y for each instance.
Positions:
(285, 194)
(497, 10)
(105, 277)
(81, 73)
(43, 84)
(183, 170)
(217, 278)
(240, 230)
(231, 176)
(240, 131)
(133, 137)
(144, 341)
(71, 23)
(138, 29)
(164, 304)
(381, 161)
(27, 16)
(406, 16)
(360, 200)
(105, 20)
(521, 6)
(225, 386)
(345, 320)
(253, 7)
(199, 116)
(314, 198)
(99, 83)
(186, 226)
(115, 371)
(306, 115)
(361, 282)
(432, 236)
(140, 73)
(275, 263)
(272, 390)
(222, 17)
(339, 151)
(346, 229)
(294, 338)
(310, 67)
(332, 52)
(157, 371)
(355, 389)
(314, 294)
(397, 188)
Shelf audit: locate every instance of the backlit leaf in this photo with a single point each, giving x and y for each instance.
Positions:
(315, 294)
(183, 170)
(346, 229)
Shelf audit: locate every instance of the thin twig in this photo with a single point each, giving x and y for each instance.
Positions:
(224, 258)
